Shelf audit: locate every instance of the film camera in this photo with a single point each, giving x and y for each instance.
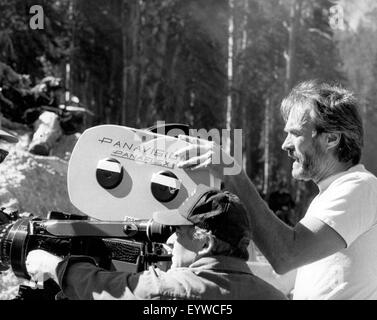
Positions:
(117, 177)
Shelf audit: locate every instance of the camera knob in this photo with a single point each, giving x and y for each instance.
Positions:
(109, 173)
(165, 186)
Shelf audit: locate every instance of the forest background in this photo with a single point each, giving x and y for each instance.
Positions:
(206, 63)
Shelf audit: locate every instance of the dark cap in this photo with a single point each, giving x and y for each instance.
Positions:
(220, 212)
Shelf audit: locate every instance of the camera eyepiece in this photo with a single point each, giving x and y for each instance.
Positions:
(148, 230)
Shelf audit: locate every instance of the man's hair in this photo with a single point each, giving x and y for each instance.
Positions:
(223, 248)
(335, 110)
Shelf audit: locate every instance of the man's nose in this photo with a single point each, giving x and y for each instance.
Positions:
(287, 144)
(172, 239)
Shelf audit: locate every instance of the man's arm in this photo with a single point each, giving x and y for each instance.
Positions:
(81, 279)
(286, 248)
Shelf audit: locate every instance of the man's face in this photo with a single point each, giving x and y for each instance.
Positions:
(304, 145)
(185, 247)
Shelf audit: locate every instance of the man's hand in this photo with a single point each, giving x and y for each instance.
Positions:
(200, 154)
(41, 265)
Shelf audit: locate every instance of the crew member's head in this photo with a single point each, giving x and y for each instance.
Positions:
(5, 137)
(324, 129)
(209, 223)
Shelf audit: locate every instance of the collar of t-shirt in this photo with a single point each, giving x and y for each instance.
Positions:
(324, 184)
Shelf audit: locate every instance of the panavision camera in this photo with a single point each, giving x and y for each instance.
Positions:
(129, 245)
(117, 177)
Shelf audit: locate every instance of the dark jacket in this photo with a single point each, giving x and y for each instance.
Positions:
(210, 278)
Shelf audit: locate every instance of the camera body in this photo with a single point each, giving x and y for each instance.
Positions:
(120, 246)
(117, 177)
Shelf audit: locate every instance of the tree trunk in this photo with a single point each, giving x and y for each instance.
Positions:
(124, 17)
(130, 36)
(161, 47)
(266, 139)
(241, 69)
(229, 100)
(291, 63)
(291, 55)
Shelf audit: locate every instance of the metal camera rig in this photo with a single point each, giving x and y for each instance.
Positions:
(131, 245)
(122, 246)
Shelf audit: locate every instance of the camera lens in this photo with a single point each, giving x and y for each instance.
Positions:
(4, 246)
(13, 246)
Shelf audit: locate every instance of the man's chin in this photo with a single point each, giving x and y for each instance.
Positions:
(299, 175)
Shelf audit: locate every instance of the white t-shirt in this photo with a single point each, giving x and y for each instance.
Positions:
(347, 202)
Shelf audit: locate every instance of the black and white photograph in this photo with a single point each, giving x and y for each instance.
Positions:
(210, 151)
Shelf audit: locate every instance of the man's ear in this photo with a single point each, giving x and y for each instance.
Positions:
(333, 139)
(208, 244)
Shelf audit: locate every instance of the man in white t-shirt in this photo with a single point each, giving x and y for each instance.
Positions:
(347, 203)
(334, 247)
